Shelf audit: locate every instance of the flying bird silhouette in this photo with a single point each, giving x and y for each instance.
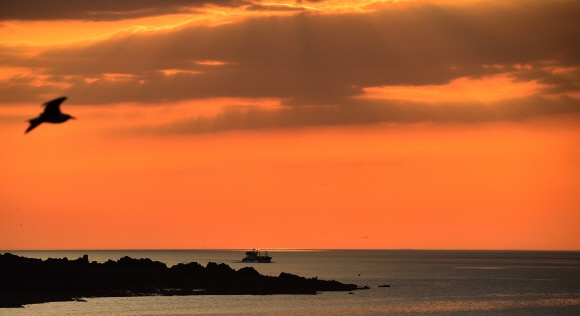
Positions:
(51, 114)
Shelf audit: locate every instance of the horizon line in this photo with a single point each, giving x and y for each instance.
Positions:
(288, 249)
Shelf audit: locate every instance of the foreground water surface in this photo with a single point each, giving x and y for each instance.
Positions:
(421, 282)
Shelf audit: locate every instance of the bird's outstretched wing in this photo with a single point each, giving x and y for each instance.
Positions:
(53, 107)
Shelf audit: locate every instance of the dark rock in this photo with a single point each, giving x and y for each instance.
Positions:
(218, 269)
(82, 261)
(191, 268)
(29, 281)
(248, 271)
(386, 285)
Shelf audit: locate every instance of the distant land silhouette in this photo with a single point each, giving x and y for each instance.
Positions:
(31, 281)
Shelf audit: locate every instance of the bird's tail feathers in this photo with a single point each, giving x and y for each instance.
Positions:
(33, 123)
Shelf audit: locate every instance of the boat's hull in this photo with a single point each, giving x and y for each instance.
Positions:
(258, 260)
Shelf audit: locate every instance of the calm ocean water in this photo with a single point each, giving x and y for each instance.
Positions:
(422, 283)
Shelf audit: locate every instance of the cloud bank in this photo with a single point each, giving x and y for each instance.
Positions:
(365, 112)
(318, 64)
(103, 10)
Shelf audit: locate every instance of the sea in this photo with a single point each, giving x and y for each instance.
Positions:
(421, 282)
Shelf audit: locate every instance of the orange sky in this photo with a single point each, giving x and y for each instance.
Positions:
(312, 125)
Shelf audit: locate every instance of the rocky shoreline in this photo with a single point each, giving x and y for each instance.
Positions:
(31, 281)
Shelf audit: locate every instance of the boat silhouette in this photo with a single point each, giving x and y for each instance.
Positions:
(257, 256)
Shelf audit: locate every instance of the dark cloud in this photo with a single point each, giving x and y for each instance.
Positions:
(102, 10)
(367, 112)
(321, 59)
(272, 7)
(16, 91)
(310, 1)
(562, 81)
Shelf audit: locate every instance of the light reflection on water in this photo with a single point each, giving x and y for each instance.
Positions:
(325, 304)
(422, 282)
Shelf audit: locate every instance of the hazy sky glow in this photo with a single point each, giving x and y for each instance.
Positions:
(291, 124)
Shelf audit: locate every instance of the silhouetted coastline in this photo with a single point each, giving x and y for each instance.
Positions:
(30, 281)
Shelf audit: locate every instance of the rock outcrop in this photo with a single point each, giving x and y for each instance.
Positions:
(29, 281)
